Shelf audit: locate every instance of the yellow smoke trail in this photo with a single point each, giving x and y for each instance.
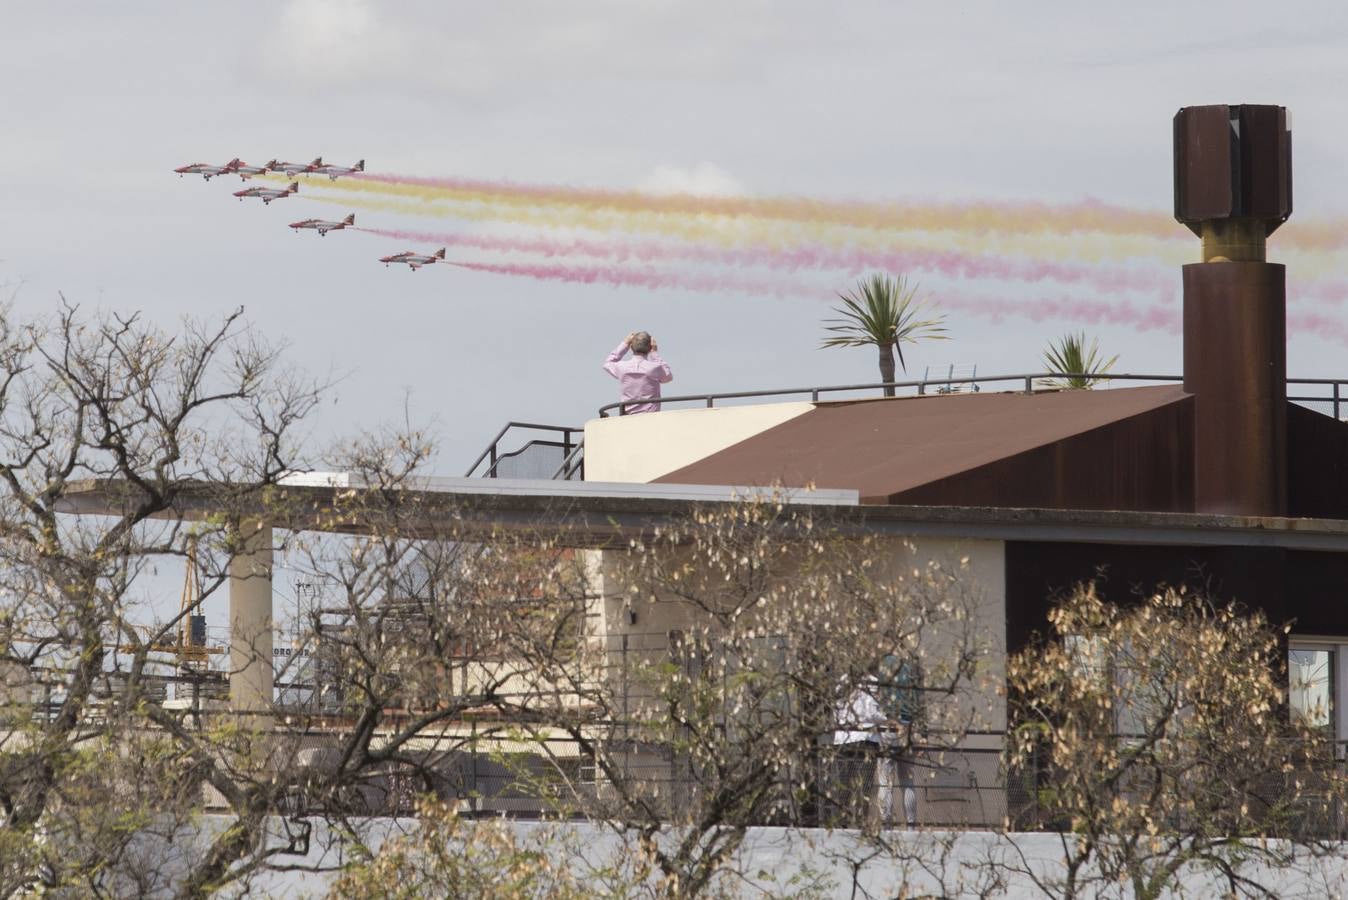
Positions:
(1016, 218)
(1087, 247)
(729, 233)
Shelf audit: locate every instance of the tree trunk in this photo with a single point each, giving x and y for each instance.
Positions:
(887, 366)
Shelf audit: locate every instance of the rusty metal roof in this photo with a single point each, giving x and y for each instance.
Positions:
(884, 448)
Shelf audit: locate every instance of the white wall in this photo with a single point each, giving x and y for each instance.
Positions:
(643, 447)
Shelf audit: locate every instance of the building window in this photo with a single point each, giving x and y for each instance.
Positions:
(1311, 676)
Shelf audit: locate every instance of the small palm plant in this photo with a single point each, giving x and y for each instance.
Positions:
(1080, 367)
(882, 311)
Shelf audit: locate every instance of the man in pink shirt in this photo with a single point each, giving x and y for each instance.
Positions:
(640, 377)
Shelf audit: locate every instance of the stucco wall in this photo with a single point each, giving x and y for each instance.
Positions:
(636, 629)
(641, 448)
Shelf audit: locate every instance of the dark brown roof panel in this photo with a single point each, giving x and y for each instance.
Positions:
(888, 449)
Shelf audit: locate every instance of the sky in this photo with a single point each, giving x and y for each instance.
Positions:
(1011, 111)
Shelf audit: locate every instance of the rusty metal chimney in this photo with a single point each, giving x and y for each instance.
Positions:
(1233, 188)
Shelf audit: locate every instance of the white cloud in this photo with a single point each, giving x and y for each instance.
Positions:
(328, 44)
(704, 179)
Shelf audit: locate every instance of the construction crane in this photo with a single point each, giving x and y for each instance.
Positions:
(189, 647)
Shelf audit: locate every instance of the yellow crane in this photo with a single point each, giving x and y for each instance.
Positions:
(189, 648)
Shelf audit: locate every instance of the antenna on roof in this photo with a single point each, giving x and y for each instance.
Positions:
(953, 378)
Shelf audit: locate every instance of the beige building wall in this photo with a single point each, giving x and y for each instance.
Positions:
(644, 447)
(964, 786)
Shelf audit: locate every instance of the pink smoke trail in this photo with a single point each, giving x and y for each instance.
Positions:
(944, 262)
(1092, 312)
(1151, 317)
(1319, 325)
(648, 278)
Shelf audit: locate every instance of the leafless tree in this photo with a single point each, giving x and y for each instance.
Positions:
(440, 669)
(88, 401)
(1155, 739)
(694, 734)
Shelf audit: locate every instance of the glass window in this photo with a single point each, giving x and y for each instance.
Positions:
(1310, 687)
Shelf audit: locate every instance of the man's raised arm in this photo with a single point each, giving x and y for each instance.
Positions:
(662, 371)
(611, 361)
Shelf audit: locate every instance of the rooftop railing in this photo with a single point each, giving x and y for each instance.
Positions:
(557, 451)
(1333, 392)
(553, 454)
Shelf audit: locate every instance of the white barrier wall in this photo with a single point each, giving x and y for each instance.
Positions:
(644, 447)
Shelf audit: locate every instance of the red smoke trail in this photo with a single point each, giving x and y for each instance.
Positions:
(1091, 312)
(945, 262)
(1321, 326)
(648, 278)
(1071, 309)
(951, 263)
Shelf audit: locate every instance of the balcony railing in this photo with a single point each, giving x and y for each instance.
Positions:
(548, 451)
(1330, 393)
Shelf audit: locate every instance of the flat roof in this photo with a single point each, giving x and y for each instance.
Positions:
(536, 487)
(607, 517)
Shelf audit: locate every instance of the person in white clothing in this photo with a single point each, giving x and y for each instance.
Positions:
(867, 733)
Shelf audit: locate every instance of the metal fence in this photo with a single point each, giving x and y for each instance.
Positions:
(529, 450)
(1323, 394)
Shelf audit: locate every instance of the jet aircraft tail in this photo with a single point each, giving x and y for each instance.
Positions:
(440, 254)
(360, 166)
(350, 220)
(294, 188)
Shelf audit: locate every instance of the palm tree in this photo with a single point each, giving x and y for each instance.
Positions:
(1070, 358)
(882, 311)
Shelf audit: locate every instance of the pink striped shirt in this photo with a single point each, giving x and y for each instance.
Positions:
(639, 378)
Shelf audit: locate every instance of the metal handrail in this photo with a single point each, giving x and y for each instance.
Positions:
(1336, 399)
(496, 457)
(572, 463)
(564, 446)
(922, 385)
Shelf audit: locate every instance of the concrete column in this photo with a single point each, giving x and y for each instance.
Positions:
(1235, 365)
(250, 622)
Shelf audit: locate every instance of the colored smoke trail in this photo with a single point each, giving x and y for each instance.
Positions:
(961, 247)
(1023, 217)
(648, 278)
(1094, 312)
(1090, 248)
(1319, 325)
(1107, 280)
(1020, 218)
(1152, 317)
(853, 260)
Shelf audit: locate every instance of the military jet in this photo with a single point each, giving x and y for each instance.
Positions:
(267, 194)
(293, 169)
(246, 171)
(206, 170)
(322, 226)
(414, 260)
(333, 171)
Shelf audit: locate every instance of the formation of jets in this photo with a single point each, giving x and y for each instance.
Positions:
(291, 170)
